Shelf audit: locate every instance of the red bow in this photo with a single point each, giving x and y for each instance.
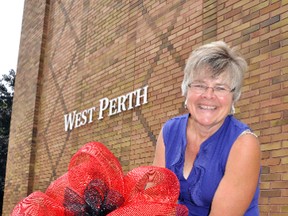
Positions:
(95, 185)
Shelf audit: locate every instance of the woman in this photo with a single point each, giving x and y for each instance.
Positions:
(215, 157)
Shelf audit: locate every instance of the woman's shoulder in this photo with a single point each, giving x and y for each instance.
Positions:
(179, 118)
(238, 123)
(174, 124)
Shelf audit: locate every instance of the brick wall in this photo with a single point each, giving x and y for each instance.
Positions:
(74, 53)
(25, 103)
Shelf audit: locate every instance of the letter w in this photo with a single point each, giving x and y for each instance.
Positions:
(69, 120)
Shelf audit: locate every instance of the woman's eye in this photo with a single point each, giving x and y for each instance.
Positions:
(201, 86)
(220, 88)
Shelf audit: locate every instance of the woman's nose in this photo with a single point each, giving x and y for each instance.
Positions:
(209, 93)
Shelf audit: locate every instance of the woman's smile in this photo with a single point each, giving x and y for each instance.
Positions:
(207, 107)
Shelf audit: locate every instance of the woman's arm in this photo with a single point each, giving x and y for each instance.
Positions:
(159, 158)
(236, 189)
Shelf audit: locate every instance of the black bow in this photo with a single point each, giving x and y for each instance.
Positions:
(98, 200)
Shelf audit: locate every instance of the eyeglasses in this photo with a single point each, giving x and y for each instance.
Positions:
(219, 91)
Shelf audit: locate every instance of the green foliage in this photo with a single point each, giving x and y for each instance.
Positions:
(6, 100)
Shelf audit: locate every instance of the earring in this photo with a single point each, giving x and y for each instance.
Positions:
(232, 111)
(185, 104)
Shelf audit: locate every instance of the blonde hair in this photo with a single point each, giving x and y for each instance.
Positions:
(218, 57)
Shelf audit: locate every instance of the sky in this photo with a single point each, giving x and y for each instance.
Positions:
(11, 13)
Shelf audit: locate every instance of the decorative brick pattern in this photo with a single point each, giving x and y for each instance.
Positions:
(74, 53)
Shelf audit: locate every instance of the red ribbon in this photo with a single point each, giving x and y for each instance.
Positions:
(96, 185)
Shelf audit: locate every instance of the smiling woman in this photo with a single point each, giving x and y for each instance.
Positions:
(215, 156)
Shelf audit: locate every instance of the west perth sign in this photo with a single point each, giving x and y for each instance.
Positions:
(114, 106)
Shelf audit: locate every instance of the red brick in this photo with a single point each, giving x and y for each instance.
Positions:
(271, 162)
(279, 200)
(251, 16)
(270, 8)
(268, 88)
(279, 169)
(233, 13)
(270, 61)
(271, 177)
(272, 102)
(270, 146)
(272, 116)
(271, 193)
(270, 74)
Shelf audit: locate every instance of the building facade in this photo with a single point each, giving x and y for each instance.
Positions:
(79, 60)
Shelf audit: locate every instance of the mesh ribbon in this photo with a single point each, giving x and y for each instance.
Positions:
(95, 185)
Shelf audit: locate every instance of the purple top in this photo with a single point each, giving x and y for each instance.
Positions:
(197, 191)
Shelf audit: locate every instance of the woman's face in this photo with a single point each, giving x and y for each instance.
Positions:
(209, 109)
